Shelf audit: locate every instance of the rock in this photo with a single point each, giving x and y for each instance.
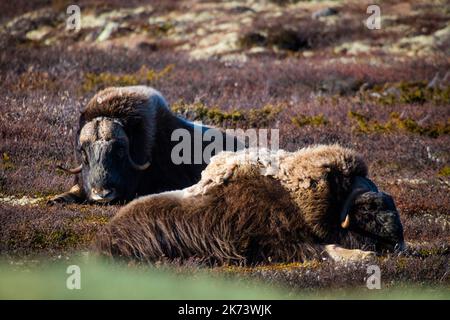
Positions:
(392, 91)
(423, 45)
(108, 30)
(241, 9)
(445, 82)
(352, 48)
(234, 60)
(216, 44)
(324, 13)
(257, 50)
(38, 34)
(36, 20)
(438, 82)
(441, 36)
(23, 201)
(339, 85)
(434, 83)
(90, 21)
(149, 46)
(412, 181)
(375, 95)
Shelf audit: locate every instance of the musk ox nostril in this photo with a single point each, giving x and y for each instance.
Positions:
(103, 194)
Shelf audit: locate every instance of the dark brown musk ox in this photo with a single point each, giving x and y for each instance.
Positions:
(253, 207)
(124, 147)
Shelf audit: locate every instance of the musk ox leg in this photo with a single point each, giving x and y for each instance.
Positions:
(340, 254)
(74, 195)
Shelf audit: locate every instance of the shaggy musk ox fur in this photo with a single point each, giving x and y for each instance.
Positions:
(124, 145)
(317, 201)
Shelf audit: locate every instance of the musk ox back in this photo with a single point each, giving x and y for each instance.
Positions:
(319, 202)
(124, 147)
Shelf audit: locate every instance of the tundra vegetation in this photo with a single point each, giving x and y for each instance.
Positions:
(318, 78)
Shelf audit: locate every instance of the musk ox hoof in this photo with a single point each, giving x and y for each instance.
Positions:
(72, 196)
(339, 254)
(61, 199)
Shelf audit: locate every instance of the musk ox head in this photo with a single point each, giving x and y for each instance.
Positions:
(372, 215)
(108, 169)
(114, 142)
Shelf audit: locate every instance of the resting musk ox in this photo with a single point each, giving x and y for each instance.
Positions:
(124, 145)
(314, 202)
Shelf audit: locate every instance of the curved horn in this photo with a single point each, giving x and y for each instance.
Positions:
(72, 171)
(139, 167)
(346, 223)
(360, 185)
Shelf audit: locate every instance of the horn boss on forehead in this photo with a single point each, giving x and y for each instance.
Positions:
(102, 128)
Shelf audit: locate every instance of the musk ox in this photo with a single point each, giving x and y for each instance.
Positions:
(124, 147)
(314, 202)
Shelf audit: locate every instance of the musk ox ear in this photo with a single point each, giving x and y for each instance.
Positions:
(359, 186)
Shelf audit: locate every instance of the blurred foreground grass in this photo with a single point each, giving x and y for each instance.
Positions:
(100, 280)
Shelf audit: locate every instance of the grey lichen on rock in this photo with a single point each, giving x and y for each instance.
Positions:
(108, 30)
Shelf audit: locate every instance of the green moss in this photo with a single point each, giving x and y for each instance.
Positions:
(315, 121)
(91, 219)
(6, 162)
(401, 263)
(93, 81)
(361, 120)
(307, 265)
(428, 252)
(61, 238)
(433, 130)
(412, 92)
(164, 27)
(396, 123)
(262, 117)
(257, 117)
(445, 171)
